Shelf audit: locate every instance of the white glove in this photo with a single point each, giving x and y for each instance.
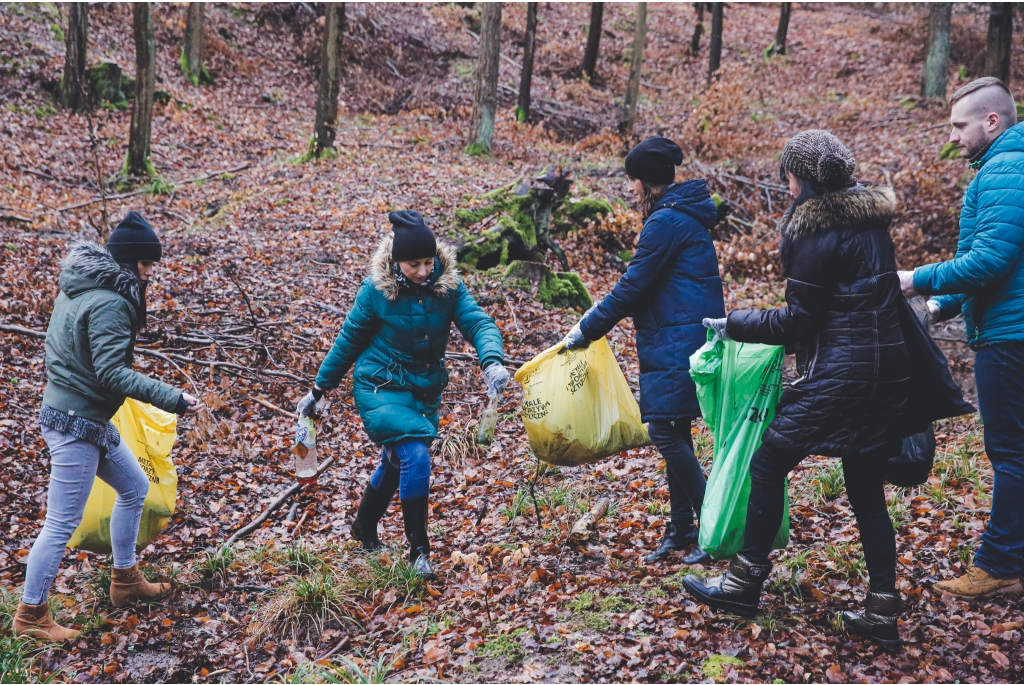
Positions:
(309, 405)
(574, 339)
(496, 377)
(718, 326)
(907, 283)
(933, 311)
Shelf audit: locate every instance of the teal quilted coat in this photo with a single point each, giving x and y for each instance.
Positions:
(986, 278)
(396, 339)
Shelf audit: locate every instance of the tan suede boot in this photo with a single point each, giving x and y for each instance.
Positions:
(977, 584)
(128, 586)
(34, 620)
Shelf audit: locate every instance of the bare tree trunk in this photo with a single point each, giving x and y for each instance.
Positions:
(330, 71)
(636, 61)
(593, 40)
(529, 43)
(698, 30)
(485, 95)
(1000, 40)
(192, 54)
(138, 162)
(936, 61)
(779, 47)
(715, 59)
(72, 93)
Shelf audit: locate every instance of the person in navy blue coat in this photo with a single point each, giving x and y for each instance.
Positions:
(671, 284)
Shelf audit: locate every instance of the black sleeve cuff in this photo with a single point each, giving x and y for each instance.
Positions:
(182, 407)
(317, 393)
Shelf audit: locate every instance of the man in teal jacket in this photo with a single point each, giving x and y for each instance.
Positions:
(985, 282)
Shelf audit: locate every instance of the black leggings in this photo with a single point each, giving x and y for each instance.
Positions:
(685, 479)
(865, 489)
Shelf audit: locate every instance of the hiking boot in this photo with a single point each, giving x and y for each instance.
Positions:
(877, 621)
(414, 513)
(676, 537)
(34, 620)
(978, 584)
(372, 507)
(738, 591)
(128, 586)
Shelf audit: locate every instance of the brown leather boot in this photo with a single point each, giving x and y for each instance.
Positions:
(128, 586)
(34, 620)
(977, 584)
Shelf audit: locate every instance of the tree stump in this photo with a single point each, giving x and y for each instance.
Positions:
(517, 221)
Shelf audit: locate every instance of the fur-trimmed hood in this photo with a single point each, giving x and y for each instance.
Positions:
(384, 280)
(842, 210)
(89, 267)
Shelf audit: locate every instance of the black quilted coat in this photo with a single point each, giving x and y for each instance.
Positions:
(843, 321)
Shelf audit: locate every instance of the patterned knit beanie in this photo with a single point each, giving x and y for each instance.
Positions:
(818, 156)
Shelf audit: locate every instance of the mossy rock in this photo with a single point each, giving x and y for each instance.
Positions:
(554, 289)
(581, 210)
(949, 151)
(107, 82)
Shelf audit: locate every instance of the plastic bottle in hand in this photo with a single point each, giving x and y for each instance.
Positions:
(488, 422)
(305, 452)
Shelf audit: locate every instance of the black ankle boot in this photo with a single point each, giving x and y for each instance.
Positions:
(738, 591)
(696, 556)
(878, 619)
(676, 537)
(371, 509)
(415, 511)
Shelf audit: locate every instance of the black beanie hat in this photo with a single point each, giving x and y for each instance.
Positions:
(654, 160)
(134, 240)
(413, 239)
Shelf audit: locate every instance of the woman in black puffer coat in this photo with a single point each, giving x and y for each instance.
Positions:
(843, 321)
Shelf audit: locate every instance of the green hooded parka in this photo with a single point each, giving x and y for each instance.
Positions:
(90, 341)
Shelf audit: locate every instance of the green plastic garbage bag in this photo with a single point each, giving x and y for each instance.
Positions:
(738, 386)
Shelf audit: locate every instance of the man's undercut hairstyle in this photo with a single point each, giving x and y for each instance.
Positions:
(997, 98)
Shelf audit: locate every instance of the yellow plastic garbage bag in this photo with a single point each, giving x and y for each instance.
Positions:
(150, 434)
(578, 406)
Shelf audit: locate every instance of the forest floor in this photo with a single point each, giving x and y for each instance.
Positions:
(263, 257)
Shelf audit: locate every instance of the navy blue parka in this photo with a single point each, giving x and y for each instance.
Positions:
(672, 283)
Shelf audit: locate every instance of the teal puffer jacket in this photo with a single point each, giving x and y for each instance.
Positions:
(986, 278)
(397, 339)
(90, 341)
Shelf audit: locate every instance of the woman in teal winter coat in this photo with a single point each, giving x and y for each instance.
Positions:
(395, 337)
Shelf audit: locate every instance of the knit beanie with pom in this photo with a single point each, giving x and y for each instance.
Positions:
(818, 156)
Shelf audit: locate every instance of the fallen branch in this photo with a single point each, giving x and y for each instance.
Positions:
(271, 405)
(15, 218)
(140, 191)
(11, 328)
(171, 358)
(274, 506)
(581, 529)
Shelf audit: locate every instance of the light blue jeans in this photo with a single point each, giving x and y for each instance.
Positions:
(74, 463)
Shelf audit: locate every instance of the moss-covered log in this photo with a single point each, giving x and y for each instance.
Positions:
(517, 222)
(552, 288)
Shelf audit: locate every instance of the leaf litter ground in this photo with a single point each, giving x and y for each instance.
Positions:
(263, 261)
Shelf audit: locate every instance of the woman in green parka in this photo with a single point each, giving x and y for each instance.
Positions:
(396, 336)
